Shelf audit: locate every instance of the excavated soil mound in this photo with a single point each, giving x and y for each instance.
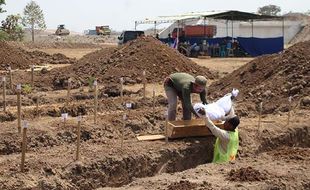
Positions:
(271, 79)
(14, 57)
(291, 153)
(18, 58)
(246, 174)
(57, 58)
(182, 185)
(129, 61)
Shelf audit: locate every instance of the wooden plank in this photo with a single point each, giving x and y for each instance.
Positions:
(150, 137)
(191, 128)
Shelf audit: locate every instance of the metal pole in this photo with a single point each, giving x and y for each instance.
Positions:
(136, 23)
(252, 24)
(232, 29)
(283, 30)
(226, 28)
(204, 27)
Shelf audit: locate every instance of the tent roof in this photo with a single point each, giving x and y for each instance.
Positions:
(223, 15)
(241, 16)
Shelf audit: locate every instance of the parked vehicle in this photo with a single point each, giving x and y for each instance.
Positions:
(195, 31)
(103, 30)
(129, 35)
(62, 31)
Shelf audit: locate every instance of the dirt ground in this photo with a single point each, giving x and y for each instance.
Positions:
(274, 156)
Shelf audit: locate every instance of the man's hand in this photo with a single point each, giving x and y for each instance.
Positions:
(208, 121)
(202, 111)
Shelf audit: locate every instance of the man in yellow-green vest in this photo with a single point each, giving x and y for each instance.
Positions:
(227, 141)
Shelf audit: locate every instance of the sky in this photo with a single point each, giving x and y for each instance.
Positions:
(80, 15)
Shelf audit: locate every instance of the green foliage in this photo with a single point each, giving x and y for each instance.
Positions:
(3, 35)
(26, 89)
(271, 10)
(2, 2)
(34, 17)
(12, 26)
(91, 81)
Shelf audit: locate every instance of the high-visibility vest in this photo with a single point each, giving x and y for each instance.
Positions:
(232, 148)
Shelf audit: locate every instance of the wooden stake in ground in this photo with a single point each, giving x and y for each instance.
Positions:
(79, 118)
(289, 110)
(144, 84)
(19, 105)
(4, 93)
(68, 92)
(32, 76)
(259, 117)
(24, 145)
(166, 126)
(37, 106)
(10, 78)
(122, 89)
(64, 117)
(96, 101)
(154, 103)
(122, 131)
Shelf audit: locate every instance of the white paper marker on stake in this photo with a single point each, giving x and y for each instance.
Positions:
(3, 79)
(79, 118)
(25, 124)
(64, 117)
(128, 105)
(95, 83)
(18, 86)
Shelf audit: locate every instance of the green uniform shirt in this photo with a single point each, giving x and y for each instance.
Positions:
(182, 83)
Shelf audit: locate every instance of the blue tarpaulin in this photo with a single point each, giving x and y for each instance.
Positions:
(253, 46)
(261, 46)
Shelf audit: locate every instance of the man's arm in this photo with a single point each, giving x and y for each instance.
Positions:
(186, 95)
(203, 96)
(220, 133)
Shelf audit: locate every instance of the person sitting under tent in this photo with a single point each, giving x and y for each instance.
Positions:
(219, 110)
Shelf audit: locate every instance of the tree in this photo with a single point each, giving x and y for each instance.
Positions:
(33, 17)
(12, 26)
(1, 3)
(271, 10)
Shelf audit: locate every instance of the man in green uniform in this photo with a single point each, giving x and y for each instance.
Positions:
(182, 85)
(227, 141)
